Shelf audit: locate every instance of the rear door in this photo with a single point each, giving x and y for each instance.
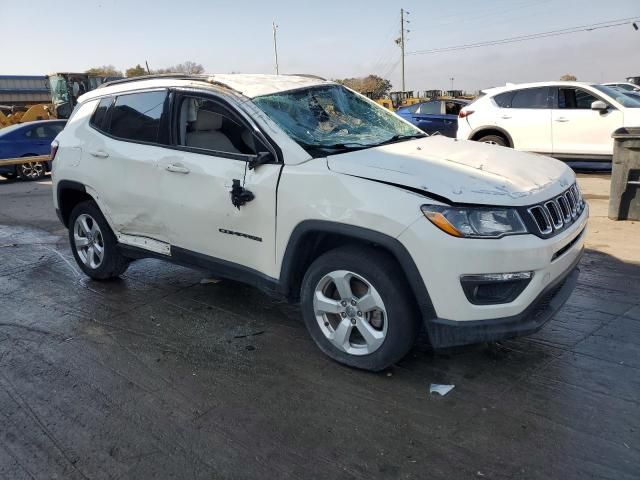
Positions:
(430, 116)
(212, 145)
(126, 140)
(526, 115)
(578, 130)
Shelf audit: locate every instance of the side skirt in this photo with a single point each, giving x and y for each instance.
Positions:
(215, 266)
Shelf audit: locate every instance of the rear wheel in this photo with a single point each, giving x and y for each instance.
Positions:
(358, 308)
(494, 140)
(93, 244)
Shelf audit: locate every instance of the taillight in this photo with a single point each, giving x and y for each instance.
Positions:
(54, 149)
(465, 113)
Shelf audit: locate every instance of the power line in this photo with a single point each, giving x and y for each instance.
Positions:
(533, 36)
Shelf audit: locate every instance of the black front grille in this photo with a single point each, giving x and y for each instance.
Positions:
(558, 213)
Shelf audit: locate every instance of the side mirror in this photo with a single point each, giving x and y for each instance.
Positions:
(599, 105)
(260, 159)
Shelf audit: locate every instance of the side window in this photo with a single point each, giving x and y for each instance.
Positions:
(136, 116)
(37, 132)
(504, 99)
(54, 130)
(430, 108)
(531, 98)
(208, 125)
(574, 98)
(97, 119)
(453, 108)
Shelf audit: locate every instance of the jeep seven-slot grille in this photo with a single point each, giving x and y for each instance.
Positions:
(558, 213)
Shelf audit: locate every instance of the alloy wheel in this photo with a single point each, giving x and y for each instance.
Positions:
(88, 241)
(350, 312)
(32, 170)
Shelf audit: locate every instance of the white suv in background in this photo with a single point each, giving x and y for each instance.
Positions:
(310, 191)
(568, 120)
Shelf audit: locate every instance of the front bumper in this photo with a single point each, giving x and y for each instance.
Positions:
(448, 333)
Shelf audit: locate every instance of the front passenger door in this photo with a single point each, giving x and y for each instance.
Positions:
(580, 131)
(212, 144)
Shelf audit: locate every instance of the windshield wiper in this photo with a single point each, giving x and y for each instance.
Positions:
(400, 138)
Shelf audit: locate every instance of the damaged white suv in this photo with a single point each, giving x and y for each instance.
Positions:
(305, 189)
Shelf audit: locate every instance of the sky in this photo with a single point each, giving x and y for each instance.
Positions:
(330, 38)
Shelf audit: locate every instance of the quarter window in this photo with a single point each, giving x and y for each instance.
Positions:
(574, 98)
(97, 119)
(137, 116)
(504, 99)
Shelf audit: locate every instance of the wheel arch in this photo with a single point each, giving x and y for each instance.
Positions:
(491, 130)
(69, 194)
(312, 238)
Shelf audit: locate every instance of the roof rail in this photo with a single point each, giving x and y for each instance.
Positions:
(306, 75)
(177, 76)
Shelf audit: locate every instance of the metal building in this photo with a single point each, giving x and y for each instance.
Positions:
(24, 90)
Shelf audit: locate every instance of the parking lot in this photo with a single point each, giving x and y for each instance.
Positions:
(169, 374)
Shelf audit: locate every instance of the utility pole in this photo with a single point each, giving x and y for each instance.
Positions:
(402, 44)
(275, 46)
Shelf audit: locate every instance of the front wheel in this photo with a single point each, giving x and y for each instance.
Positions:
(358, 308)
(93, 244)
(494, 140)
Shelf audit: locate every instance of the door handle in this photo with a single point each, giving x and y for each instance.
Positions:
(177, 169)
(561, 119)
(99, 154)
(506, 117)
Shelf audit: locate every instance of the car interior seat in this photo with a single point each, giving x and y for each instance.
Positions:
(207, 133)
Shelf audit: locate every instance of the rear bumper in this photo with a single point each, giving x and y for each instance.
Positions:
(448, 333)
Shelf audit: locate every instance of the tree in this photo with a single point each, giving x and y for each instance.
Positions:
(188, 67)
(136, 71)
(568, 78)
(372, 86)
(104, 71)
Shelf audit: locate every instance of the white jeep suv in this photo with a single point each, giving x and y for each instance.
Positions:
(310, 191)
(568, 120)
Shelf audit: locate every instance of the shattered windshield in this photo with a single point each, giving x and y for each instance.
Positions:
(331, 119)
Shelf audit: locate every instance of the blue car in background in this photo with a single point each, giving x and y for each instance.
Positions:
(27, 140)
(439, 116)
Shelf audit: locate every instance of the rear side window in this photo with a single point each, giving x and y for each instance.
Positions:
(100, 113)
(504, 99)
(137, 116)
(531, 98)
(37, 132)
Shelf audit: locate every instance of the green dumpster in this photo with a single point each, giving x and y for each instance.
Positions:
(624, 199)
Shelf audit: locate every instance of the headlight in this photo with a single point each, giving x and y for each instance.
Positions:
(475, 222)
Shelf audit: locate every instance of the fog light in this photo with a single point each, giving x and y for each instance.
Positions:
(494, 288)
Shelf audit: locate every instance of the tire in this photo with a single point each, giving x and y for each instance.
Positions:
(494, 140)
(374, 279)
(88, 233)
(31, 171)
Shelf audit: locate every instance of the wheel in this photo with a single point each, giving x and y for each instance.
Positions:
(358, 307)
(31, 171)
(93, 244)
(494, 140)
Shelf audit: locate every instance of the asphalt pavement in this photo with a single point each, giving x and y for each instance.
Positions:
(159, 375)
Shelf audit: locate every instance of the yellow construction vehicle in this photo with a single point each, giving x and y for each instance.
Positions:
(65, 89)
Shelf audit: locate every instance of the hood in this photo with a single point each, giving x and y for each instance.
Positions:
(461, 171)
